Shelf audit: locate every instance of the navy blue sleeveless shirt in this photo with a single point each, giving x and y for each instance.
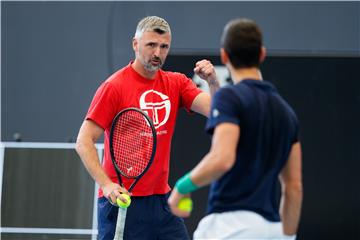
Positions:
(268, 128)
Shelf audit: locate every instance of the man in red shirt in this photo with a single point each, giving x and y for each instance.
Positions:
(161, 94)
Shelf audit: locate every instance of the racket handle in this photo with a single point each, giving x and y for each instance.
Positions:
(120, 224)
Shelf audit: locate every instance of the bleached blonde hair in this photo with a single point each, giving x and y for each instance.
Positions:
(152, 24)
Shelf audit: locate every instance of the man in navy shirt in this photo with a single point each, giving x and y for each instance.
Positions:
(254, 144)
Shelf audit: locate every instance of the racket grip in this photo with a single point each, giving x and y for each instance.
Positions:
(120, 224)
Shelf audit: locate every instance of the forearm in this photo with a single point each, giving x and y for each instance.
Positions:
(208, 170)
(89, 156)
(203, 174)
(217, 162)
(213, 86)
(290, 210)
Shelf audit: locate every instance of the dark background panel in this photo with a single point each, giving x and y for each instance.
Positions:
(46, 188)
(325, 93)
(190, 143)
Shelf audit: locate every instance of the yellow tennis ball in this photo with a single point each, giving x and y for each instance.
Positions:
(185, 204)
(121, 203)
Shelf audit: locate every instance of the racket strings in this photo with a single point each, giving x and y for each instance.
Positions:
(132, 143)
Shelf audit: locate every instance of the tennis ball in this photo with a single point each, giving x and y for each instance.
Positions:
(121, 203)
(185, 204)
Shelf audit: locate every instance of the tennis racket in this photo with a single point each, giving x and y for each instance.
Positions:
(132, 149)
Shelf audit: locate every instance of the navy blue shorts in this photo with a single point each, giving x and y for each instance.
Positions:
(147, 218)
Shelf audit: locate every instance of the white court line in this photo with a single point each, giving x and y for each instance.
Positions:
(2, 150)
(48, 230)
(94, 221)
(44, 145)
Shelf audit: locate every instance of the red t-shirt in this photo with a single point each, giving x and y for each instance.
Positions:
(161, 98)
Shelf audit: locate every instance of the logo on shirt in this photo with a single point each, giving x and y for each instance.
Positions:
(215, 113)
(157, 106)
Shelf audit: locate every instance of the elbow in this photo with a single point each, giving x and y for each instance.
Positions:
(79, 145)
(293, 189)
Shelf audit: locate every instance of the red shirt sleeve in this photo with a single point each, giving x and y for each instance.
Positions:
(188, 92)
(103, 107)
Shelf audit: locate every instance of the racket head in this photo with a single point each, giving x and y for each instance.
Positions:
(132, 143)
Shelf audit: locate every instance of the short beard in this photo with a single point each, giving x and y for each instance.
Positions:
(151, 68)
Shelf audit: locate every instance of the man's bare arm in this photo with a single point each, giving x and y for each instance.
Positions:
(202, 102)
(292, 194)
(85, 146)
